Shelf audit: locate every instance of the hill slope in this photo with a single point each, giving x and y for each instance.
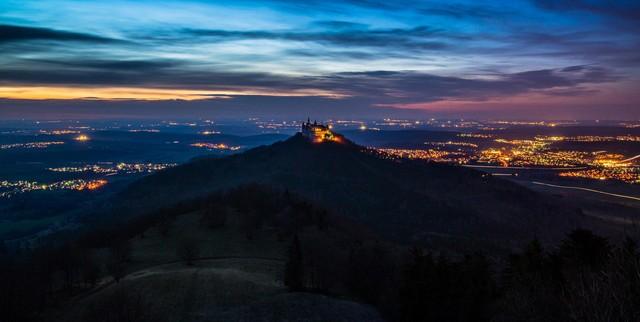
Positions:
(232, 277)
(403, 200)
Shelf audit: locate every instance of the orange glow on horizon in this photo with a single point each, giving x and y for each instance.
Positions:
(145, 94)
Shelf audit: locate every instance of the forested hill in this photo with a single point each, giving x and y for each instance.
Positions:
(402, 200)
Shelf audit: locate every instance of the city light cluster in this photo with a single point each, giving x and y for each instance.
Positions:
(452, 143)
(216, 146)
(183, 124)
(533, 123)
(120, 168)
(420, 154)
(625, 174)
(398, 123)
(631, 125)
(532, 153)
(145, 131)
(16, 187)
(59, 132)
(600, 165)
(528, 157)
(209, 132)
(590, 138)
(30, 145)
(475, 135)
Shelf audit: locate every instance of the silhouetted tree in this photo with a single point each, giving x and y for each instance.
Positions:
(165, 224)
(115, 267)
(415, 280)
(444, 290)
(325, 265)
(477, 289)
(321, 219)
(188, 250)
(583, 249)
(69, 261)
(215, 215)
(121, 250)
(90, 270)
(532, 286)
(294, 268)
(610, 293)
(251, 221)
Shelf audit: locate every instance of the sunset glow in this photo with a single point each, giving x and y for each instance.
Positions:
(144, 94)
(430, 58)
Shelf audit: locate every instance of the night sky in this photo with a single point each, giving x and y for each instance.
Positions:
(367, 58)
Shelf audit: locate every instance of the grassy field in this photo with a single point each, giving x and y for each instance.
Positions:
(226, 290)
(155, 248)
(233, 279)
(175, 292)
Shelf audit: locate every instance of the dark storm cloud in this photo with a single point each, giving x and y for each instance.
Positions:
(11, 33)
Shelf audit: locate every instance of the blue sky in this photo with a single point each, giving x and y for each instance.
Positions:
(556, 59)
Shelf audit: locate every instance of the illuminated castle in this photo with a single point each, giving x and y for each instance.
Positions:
(317, 132)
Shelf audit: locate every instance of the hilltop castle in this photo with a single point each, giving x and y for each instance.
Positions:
(317, 132)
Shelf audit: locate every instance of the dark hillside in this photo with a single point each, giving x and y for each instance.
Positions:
(403, 200)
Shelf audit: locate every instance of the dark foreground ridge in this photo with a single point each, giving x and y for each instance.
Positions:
(402, 200)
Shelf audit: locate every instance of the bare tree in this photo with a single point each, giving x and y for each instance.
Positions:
(90, 269)
(164, 226)
(121, 250)
(115, 268)
(215, 216)
(188, 250)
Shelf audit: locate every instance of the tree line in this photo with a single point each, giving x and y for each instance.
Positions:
(584, 278)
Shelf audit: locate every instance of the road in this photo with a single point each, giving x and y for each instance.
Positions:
(587, 189)
(630, 159)
(518, 168)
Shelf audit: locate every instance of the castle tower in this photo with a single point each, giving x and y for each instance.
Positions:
(318, 132)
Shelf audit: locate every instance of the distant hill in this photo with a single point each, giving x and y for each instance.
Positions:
(402, 200)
